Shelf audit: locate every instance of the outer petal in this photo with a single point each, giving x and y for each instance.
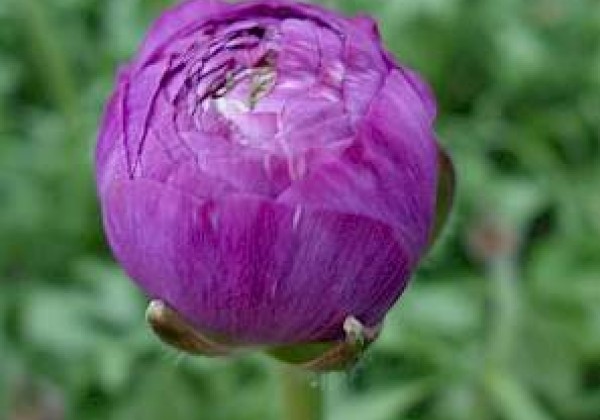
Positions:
(368, 25)
(140, 94)
(174, 22)
(110, 154)
(423, 90)
(389, 174)
(255, 270)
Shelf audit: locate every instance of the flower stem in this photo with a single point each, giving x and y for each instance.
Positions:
(505, 295)
(504, 311)
(302, 394)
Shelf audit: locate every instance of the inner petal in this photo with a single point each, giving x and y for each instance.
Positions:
(270, 90)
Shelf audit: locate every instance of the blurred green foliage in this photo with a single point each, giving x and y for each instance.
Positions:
(501, 322)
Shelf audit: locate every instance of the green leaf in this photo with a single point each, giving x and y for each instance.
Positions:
(388, 404)
(512, 399)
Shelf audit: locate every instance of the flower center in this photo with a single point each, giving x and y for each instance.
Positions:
(267, 100)
(237, 58)
(270, 84)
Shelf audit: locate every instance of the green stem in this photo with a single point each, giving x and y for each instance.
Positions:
(505, 301)
(302, 394)
(504, 314)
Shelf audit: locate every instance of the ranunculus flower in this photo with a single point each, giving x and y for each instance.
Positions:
(268, 174)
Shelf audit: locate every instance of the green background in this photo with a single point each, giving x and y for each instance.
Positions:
(502, 320)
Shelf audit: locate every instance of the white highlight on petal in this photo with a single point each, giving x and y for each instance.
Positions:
(297, 167)
(267, 162)
(297, 217)
(227, 107)
(336, 72)
(214, 220)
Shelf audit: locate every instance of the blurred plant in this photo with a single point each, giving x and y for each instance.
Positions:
(519, 87)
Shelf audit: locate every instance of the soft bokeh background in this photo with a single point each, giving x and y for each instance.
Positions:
(502, 320)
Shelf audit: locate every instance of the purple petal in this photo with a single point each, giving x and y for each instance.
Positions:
(174, 22)
(388, 174)
(423, 90)
(111, 155)
(252, 269)
(368, 25)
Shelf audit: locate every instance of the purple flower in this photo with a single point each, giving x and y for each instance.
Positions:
(268, 170)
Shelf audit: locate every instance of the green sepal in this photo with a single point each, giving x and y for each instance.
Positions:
(172, 329)
(300, 353)
(329, 356)
(446, 186)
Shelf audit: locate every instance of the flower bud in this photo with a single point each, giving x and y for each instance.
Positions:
(268, 175)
